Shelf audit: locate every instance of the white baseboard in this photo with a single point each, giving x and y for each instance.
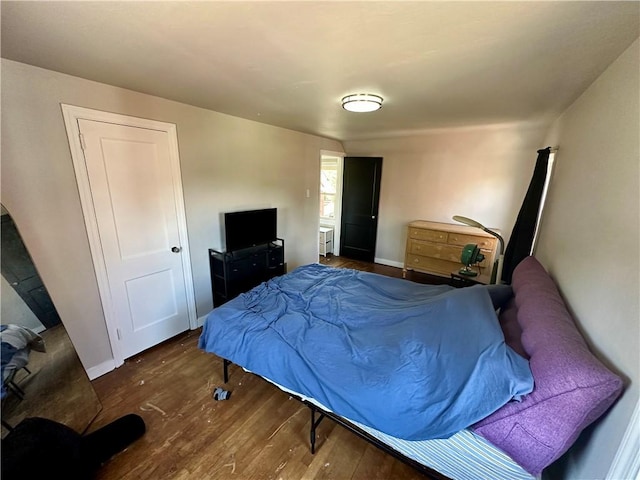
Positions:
(389, 263)
(39, 329)
(200, 321)
(99, 370)
(110, 365)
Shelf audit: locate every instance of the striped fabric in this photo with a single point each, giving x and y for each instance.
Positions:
(463, 456)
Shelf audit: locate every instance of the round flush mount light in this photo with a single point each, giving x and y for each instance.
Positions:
(362, 102)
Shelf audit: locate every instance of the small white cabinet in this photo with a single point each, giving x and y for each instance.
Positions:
(326, 241)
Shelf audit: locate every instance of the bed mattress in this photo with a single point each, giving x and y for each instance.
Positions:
(436, 354)
(463, 456)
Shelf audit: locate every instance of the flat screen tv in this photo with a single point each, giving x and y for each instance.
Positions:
(250, 228)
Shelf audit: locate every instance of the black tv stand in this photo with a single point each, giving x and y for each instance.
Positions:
(238, 271)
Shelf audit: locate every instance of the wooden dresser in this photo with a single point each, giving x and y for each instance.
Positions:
(435, 248)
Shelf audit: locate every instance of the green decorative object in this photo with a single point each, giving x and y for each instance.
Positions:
(470, 256)
(496, 273)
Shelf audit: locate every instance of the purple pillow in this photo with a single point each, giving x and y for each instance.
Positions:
(511, 328)
(572, 388)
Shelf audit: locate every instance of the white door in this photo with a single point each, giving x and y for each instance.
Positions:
(133, 175)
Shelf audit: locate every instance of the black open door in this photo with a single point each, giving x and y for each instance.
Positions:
(360, 198)
(18, 269)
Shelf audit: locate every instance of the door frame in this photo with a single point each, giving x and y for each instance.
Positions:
(338, 207)
(71, 115)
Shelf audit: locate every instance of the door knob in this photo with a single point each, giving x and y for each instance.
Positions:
(176, 249)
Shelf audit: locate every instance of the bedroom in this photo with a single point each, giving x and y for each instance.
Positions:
(220, 172)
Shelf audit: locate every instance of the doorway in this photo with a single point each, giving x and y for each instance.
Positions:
(360, 200)
(128, 174)
(331, 173)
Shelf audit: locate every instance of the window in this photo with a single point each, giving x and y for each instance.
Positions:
(328, 187)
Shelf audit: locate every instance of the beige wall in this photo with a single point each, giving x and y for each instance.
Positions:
(481, 173)
(590, 240)
(227, 164)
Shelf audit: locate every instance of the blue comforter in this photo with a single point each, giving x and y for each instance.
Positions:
(414, 361)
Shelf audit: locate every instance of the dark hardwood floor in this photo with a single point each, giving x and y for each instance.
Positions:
(259, 433)
(342, 262)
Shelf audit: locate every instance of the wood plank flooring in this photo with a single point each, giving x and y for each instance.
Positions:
(259, 433)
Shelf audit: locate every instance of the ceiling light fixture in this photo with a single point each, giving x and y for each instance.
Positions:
(362, 102)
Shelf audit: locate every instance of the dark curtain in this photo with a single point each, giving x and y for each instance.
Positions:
(521, 239)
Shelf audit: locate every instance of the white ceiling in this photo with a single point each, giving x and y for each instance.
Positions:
(437, 64)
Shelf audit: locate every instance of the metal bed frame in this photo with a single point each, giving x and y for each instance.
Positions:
(315, 422)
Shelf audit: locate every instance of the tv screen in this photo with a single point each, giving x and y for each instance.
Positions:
(250, 228)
